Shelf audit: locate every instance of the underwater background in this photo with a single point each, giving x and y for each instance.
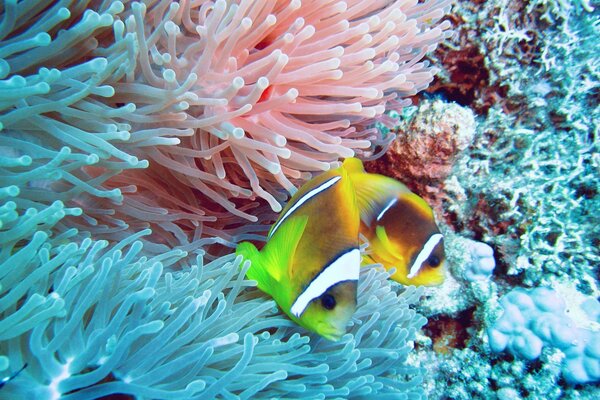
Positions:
(140, 141)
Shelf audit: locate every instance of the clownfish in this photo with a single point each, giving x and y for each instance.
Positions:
(311, 261)
(399, 226)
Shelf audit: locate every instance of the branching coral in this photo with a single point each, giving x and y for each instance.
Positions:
(527, 187)
(229, 102)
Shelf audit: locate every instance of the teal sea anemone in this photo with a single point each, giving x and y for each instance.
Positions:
(89, 320)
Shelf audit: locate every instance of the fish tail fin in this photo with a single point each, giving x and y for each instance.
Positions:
(257, 270)
(373, 191)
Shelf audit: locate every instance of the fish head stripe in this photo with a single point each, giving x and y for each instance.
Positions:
(303, 199)
(424, 254)
(387, 207)
(344, 268)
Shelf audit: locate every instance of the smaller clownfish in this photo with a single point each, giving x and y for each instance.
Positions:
(311, 261)
(400, 228)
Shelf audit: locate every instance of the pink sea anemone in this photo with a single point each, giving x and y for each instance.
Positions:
(196, 117)
(261, 93)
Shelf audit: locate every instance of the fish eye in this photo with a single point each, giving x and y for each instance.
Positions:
(328, 302)
(433, 260)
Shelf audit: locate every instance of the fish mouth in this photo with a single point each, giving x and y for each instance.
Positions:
(331, 332)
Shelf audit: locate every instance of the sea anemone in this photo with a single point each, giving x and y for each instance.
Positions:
(187, 114)
(88, 320)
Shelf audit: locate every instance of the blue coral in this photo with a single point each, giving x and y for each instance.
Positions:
(536, 318)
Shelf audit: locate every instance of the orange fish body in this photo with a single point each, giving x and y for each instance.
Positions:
(311, 262)
(399, 226)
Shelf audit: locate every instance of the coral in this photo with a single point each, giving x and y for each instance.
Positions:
(515, 193)
(465, 374)
(527, 185)
(186, 114)
(481, 263)
(428, 143)
(466, 368)
(463, 79)
(534, 319)
(517, 54)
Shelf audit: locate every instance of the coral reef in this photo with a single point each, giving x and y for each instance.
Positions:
(529, 179)
(526, 187)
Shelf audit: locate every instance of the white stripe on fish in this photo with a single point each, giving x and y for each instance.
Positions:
(312, 193)
(424, 254)
(345, 268)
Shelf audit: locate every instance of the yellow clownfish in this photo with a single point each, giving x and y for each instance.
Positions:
(399, 226)
(311, 261)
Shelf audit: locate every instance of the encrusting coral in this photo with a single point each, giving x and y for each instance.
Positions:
(429, 141)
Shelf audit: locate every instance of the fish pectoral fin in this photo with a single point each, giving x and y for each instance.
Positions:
(280, 250)
(390, 251)
(268, 265)
(257, 270)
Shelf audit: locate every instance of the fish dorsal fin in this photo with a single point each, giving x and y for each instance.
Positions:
(353, 165)
(374, 193)
(281, 248)
(419, 204)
